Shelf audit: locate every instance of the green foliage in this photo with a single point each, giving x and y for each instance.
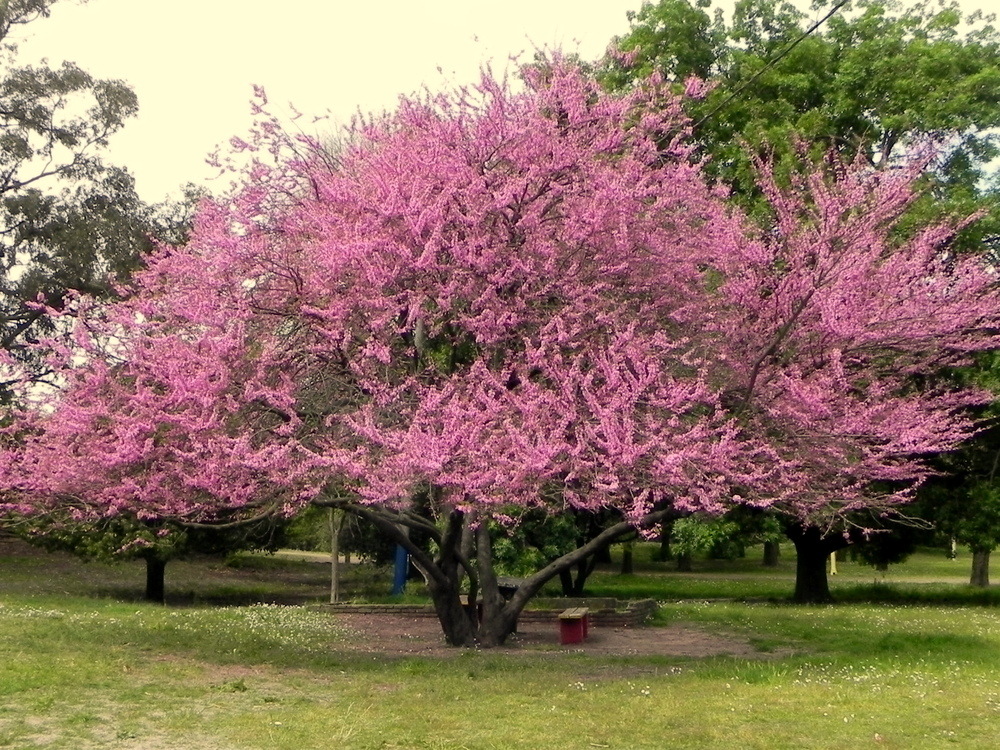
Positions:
(725, 537)
(67, 220)
(698, 534)
(964, 502)
(125, 537)
(310, 530)
(880, 550)
(878, 77)
(535, 540)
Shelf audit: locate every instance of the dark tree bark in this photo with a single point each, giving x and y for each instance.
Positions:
(575, 585)
(812, 550)
(664, 553)
(444, 580)
(155, 577)
(499, 619)
(980, 568)
(566, 582)
(772, 552)
(628, 559)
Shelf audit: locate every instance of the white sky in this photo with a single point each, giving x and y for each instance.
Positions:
(193, 62)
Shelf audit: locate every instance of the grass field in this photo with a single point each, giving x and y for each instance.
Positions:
(83, 664)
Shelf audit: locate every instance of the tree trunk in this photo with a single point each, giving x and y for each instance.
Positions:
(155, 575)
(576, 586)
(628, 558)
(336, 520)
(683, 562)
(459, 623)
(499, 616)
(566, 582)
(772, 552)
(583, 570)
(456, 620)
(664, 553)
(980, 568)
(812, 551)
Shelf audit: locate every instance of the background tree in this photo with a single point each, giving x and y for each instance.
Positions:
(877, 77)
(964, 502)
(536, 539)
(698, 534)
(67, 220)
(124, 537)
(890, 546)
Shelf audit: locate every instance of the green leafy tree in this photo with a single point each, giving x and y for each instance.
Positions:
(966, 506)
(701, 534)
(67, 220)
(892, 546)
(155, 543)
(876, 78)
(537, 539)
(964, 502)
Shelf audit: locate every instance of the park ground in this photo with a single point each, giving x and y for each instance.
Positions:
(241, 657)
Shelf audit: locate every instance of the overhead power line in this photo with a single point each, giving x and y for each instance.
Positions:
(770, 63)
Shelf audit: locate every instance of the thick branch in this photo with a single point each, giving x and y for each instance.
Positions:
(398, 517)
(534, 583)
(392, 530)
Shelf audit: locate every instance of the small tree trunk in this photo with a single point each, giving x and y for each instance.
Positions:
(499, 616)
(584, 568)
(772, 552)
(155, 575)
(336, 519)
(684, 562)
(566, 582)
(664, 553)
(980, 568)
(628, 558)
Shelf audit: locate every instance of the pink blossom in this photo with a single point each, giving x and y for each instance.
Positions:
(518, 299)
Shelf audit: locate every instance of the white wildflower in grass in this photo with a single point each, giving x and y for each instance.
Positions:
(257, 626)
(32, 613)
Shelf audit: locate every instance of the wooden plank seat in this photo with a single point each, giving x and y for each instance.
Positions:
(574, 625)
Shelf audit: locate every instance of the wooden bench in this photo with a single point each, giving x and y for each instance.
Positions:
(574, 624)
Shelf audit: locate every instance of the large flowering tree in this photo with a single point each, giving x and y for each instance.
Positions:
(497, 300)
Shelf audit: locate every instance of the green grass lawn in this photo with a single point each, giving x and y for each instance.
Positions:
(85, 665)
(927, 576)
